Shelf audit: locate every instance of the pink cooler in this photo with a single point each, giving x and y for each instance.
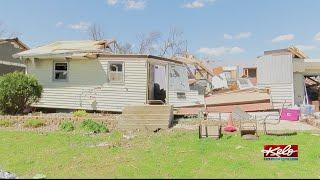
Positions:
(289, 114)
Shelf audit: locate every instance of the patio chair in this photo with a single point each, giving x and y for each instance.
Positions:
(208, 130)
(274, 119)
(212, 131)
(248, 123)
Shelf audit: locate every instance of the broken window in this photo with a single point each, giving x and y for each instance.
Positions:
(178, 79)
(116, 72)
(60, 71)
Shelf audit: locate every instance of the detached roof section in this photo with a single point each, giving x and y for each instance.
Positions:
(296, 52)
(67, 48)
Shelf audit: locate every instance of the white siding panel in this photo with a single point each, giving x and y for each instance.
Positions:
(281, 93)
(276, 72)
(274, 69)
(178, 82)
(192, 98)
(88, 83)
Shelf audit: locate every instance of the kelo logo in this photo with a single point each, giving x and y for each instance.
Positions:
(280, 152)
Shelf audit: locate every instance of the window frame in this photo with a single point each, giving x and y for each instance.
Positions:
(123, 72)
(54, 71)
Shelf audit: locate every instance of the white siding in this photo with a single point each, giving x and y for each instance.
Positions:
(281, 93)
(276, 73)
(180, 84)
(273, 69)
(192, 98)
(88, 82)
(218, 82)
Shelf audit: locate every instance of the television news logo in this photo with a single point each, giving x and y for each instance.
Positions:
(280, 152)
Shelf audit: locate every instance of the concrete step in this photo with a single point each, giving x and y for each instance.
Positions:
(146, 117)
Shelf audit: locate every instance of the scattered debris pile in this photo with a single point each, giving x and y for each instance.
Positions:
(249, 100)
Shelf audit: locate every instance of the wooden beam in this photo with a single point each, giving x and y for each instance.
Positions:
(317, 82)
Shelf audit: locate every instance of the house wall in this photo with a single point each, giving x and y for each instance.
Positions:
(298, 88)
(218, 82)
(7, 62)
(88, 83)
(276, 73)
(179, 84)
(88, 87)
(7, 49)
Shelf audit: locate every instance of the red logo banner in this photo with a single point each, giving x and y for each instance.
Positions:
(282, 152)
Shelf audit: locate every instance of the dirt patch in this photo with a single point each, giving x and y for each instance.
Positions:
(52, 121)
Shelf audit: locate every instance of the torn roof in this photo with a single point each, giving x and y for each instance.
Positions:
(191, 60)
(296, 52)
(66, 48)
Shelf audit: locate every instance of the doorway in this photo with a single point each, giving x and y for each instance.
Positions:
(157, 83)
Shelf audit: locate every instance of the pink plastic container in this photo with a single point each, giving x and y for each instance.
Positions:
(289, 114)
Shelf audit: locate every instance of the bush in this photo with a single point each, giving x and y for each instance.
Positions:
(33, 123)
(66, 126)
(6, 123)
(80, 113)
(17, 92)
(92, 126)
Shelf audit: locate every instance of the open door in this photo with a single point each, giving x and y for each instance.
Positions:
(157, 83)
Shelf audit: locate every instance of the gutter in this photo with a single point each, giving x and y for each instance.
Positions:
(12, 64)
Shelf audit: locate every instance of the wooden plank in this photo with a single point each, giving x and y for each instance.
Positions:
(144, 115)
(143, 121)
(145, 110)
(148, 127)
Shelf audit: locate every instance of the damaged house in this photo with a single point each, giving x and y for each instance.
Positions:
(225, 77)
(287, 74)
(89, 75)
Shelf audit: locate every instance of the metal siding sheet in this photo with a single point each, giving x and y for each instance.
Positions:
(274, 69)
(276, 72)
(192, 98)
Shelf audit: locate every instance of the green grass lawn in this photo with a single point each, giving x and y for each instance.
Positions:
(167, 154)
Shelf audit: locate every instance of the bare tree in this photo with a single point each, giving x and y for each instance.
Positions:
(125, 48)
(95, 32)
(3, 30)
(5, 34)
(147, 44)
(174, 44)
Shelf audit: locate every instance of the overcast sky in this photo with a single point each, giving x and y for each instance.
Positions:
(230, 32)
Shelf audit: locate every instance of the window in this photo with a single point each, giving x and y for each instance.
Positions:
(228, 75)
(181, 95)
(174, 72)
(116, 72)
(60, 71)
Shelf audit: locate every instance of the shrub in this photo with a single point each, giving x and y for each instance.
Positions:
(92, 126)
(80, 113)
(17, 92)
(33, 123)
(66, 126)
(6, 123)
